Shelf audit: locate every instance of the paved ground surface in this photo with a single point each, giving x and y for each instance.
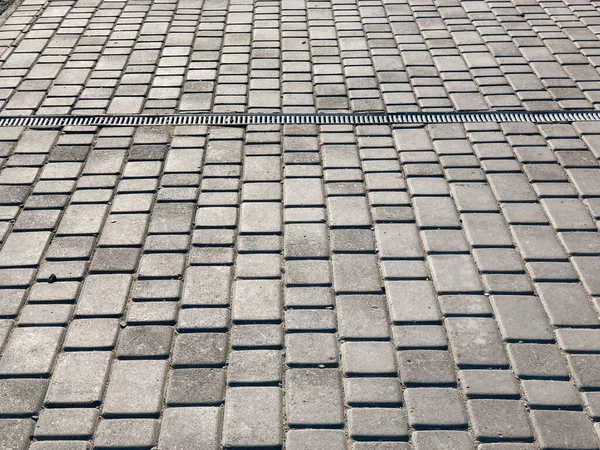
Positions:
(309, 287)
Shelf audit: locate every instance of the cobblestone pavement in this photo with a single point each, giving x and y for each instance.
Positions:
(313, 287)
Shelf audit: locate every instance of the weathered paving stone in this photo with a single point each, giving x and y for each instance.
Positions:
(79, 378)
(563, 429)
(21, 397)
(314, 397)
(200, 349)
(195, 387)
(377, 423)
(475, 342)
(443, 440)
(499, 419)
(135, 388)
(120, 433)
(15, 434)
(66, 423)
(40, 343)
(435, 407)
(253, 417)
(315, 439)
(190, 427)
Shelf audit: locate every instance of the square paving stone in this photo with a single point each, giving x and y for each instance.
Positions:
(191, 427)
(311, 349)
(196, 387)
(372, 358)
(435, 407)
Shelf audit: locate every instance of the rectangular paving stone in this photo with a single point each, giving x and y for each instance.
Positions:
(24, 249)
(475, 342)
(135, 388)
(40, 343)
(253, 417)
(314, 397)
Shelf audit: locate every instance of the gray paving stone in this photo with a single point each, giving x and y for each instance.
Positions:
(311, 349)
(24, 249)
(314, 397)
(255, 367)
(310, 320)
(206, 286)
(315, 439)
(566, 429)
(489, 383)
(454, 274)
(66, 423)
(135, 388)
(435, 407)
(256, 301)
(537, 361)
(92, 334)
(521, 318)
(553, 394)
(204, 386)
(21, 397)
(475, 342)
(442, 440)
(499, 419)
(79, 378)
(377, 423)
(103, 294)
(368, 358)
(362, 317)
(145, 341)
(191, 427)
(426, 368)
(253, 417)
(123, 433)
(40, 343)
(412, 301)
(584, 370)
(347, 267)
(15, 433)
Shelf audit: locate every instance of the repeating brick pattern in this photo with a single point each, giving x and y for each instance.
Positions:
(300, 286)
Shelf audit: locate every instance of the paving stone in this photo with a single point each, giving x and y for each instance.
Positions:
(537, 361)
(553, 394)
(475, 342)
(24, 249)
(412, 301)
(435, 407)
(362, 317)
(584, 370)
(40, 343)
(377, 423)
(194, 349)
(310, 320)
(123, 433)
(135, 388)
(191, 427)
(206, 286)
(346, 267)
(66, 423)
(521, 318)
(79, 379)
(372, 358)
(499, 419)
(256, 301)
(92, 334)
(454, 274)
(442, 440)
(566, 429)
(315, 439)
(192, 387)
(250, 367)
(253, 417)
(21, 397)
(311, 349)
(489, 383)
(314, 397)
(371, 391)
(15, 434)
(145, 341)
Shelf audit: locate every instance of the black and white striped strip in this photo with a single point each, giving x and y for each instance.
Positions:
(561, 116)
